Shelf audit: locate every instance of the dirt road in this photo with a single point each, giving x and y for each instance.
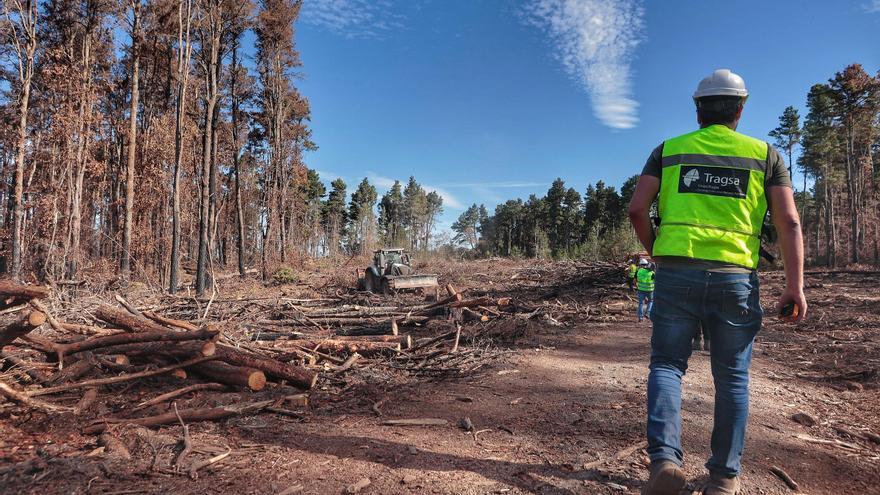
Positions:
(569, 400)
(562, 413)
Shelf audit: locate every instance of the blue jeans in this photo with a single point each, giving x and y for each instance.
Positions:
(727, 305)
(649, 296)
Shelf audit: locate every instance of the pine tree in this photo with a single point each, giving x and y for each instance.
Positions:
(391, 217)
(821, 151)
(857, 99)
(787, 134)
(361, 219)
(467, 225)
(334, 215)
(415, 208)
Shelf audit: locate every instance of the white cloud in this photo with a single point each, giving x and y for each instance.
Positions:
(449, 200)
(595, 41)
(381, 182)
(873, 6)
(500, 185)
(328, 175)
(352, 18)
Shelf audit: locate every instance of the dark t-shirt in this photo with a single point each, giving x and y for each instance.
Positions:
(776, 175)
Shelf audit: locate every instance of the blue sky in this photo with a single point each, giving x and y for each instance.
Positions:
(487, 100)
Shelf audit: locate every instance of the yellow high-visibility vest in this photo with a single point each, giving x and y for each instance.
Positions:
(711, 200)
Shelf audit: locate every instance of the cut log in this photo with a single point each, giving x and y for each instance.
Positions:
(295, 375)
(121, 378)
(236, 376)
(17, 325)
(187, 415)
(128, 321)
(171, 322)
(178, 350)
(132, 338)
(9, 288)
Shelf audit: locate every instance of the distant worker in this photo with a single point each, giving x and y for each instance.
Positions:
(631, 274)
(714, 187)
(645, 286)
(701, 340)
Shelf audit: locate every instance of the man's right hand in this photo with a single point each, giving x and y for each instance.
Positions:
(796, 297)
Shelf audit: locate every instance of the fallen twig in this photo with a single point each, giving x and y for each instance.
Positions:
(784, 477)
(22, 398)
(193, 470)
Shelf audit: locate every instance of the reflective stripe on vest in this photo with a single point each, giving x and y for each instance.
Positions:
(645, 280)
(712, 201)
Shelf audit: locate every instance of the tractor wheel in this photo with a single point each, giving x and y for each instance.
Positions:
(369, 282)
(384, 287)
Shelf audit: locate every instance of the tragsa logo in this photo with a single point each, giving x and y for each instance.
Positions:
(692, 176)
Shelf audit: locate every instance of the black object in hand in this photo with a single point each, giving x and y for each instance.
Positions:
(787, 310)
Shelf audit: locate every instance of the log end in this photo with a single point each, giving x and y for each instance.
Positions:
(36, 318)
(209, 349)
(179, 373)
(121, 359)
(256, 380)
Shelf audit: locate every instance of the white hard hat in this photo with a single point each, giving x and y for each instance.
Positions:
(722, 82)
(643, 262)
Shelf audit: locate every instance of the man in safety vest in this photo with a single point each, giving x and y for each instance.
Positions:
(645, 286)
(631, 273)
(713, 187)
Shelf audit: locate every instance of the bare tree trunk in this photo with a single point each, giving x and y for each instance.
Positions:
(830, 227)
(184, 51)
(85, 110)
(236, 161)
(214, 29)
(27, 24)
(125, 261)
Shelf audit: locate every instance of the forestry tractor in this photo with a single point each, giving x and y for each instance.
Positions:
(392, 271)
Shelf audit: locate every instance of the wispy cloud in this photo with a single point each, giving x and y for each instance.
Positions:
(499, 185)
(353, 18)
(873, 6)
(595, 41)
(328, 175)
(449, 199)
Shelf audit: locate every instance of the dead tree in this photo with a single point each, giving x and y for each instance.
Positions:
(125, 261)
(184, 51)
(21, 17)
